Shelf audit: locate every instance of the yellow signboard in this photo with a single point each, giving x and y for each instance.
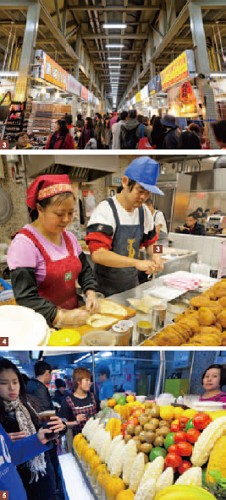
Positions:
(53, 73)
(138, 97)
(177, 71)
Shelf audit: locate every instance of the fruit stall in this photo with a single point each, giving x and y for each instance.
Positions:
(143, 451)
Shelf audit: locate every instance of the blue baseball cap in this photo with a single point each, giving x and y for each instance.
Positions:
(144, 171)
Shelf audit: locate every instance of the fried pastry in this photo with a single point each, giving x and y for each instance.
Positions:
(221, 318)
(206, 316)
(222, 301)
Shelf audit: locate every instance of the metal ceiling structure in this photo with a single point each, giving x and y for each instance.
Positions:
(72, 33)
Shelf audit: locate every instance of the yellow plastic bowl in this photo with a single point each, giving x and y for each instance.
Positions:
(64, 337)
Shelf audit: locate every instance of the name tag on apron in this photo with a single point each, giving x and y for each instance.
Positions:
(68, 276)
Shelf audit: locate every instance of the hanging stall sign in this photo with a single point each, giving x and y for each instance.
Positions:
(53, 73)
(155, 85)
(84, 93)
(182, 68)
(73, 86)
(144, 93)
(138, 97)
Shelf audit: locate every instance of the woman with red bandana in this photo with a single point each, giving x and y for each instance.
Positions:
(46, 260)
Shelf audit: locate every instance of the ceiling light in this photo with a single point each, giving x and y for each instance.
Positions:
(114, 67)
(114, 46)
(114, 26)
(114, 58)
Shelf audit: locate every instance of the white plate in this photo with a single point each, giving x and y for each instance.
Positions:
(23, 326)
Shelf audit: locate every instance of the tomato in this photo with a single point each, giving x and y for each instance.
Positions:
(183, 422)
(189, 425)
(123, 428)
(133, 420)
(169, 439)
(192, 435)
(173, 460)
(180, 436)
(175, 427)
(201, 420)
(184, 449)
(172, 448)
(184, 466)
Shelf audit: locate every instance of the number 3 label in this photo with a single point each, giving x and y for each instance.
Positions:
(4, 145)
(157, 248)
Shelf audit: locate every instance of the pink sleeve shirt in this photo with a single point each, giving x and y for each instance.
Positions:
(23, 253)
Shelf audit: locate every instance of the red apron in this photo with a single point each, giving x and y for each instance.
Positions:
(61, 275)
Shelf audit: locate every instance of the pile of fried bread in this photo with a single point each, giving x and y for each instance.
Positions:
(109, 313)
(203, 323)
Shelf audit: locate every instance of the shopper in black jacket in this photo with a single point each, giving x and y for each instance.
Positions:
(19, 420)
(37, 389)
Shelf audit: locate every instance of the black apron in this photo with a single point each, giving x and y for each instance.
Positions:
(126, 241)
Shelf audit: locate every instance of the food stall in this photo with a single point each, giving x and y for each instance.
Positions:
(176, 80)
(139, 450)
(178, 309)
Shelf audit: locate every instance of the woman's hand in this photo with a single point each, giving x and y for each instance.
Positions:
(14, 436)
(57, 425)
(81, 418)
(92, 305)
(75, 317)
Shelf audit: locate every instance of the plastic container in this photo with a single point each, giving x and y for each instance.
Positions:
(99, 338)
(23, 326)
(123, 331)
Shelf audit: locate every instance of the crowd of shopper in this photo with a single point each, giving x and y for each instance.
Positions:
(27, 439)
(125, 130)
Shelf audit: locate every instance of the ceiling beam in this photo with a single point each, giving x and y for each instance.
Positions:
(97, 63)
(114, 8)
(113, 52)
(16, 4)
(172, 31)
(130, 36)
(59, 37)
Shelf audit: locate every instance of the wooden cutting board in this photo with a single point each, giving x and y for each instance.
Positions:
(88, 328)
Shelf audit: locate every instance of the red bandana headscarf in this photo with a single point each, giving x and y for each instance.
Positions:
(46, 186)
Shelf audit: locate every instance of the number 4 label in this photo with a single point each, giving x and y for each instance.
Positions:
(4, 342)
(157, 248)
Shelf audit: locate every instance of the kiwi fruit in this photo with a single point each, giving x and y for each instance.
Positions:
(146, 447)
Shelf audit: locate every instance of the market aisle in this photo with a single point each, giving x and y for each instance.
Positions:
(74, 482)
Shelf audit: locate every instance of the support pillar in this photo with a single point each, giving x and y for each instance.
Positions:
(29, 42)
(74, 105)
(203, 69)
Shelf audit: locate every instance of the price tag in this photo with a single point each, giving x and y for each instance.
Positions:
(4, 342)
(4, 495)
(4, 145)
(158, 249)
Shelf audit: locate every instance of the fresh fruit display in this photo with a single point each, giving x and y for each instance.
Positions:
(140, 456)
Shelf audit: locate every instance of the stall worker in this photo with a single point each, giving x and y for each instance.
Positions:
(192, 226)
(213, 379)
(106, 387)
(160, 223)
(46, 260)
(78, 407)
(120, 225)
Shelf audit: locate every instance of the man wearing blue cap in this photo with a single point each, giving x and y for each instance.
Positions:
(120, 225)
